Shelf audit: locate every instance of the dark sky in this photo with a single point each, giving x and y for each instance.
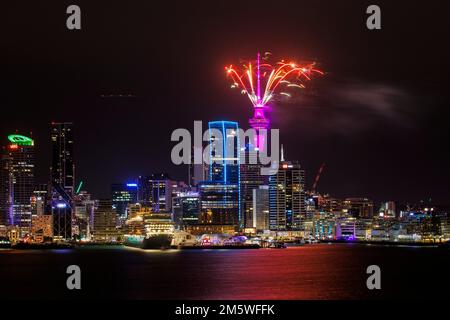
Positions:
(379, 120)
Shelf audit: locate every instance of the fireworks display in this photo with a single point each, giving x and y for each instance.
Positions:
(262, 81)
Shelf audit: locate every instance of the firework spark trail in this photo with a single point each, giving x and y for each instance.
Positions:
(273, 76)
(268, 80)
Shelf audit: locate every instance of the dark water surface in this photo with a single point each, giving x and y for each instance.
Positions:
(322, 271)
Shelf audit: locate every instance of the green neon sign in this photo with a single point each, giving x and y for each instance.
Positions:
(20, 140)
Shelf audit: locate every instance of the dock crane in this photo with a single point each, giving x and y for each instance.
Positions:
(316, 180)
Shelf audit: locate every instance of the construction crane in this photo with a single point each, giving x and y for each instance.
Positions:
(316, 180)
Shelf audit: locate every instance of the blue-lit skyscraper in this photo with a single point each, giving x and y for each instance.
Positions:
(220, 195)
(224, 161)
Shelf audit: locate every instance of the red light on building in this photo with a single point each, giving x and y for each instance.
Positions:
(285, 166)
(13, 146)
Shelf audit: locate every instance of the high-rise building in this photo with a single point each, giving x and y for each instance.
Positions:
(144, 195)
(220, 196)
(224, 152)
(17, 182)
(63, 167)
(62, 179)
(123, 194)
(287, 207)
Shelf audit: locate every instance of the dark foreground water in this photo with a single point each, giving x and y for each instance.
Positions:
(322, 271)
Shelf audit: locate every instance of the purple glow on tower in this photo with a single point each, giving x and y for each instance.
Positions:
(259, 120)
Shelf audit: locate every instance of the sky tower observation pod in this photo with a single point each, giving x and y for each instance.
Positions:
(20, 140)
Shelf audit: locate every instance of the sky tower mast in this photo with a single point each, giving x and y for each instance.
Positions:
(259, 120)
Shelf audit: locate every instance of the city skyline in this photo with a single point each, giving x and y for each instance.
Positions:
(225, 158)
(106, 185)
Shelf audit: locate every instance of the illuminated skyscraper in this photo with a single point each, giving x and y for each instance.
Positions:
(63, 167)
(287, 207)
(62, 179)
(220, 196)
(224, 161)
(17, 185)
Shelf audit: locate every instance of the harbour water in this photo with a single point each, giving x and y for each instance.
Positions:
(318, 271)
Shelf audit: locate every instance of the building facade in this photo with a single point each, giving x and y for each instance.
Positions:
(63, 166)
(17, 183)
(62, 179)
(105, 221)
(260, 208)
(220, 195)
(186, 209)
(287, 207)
(122, 194)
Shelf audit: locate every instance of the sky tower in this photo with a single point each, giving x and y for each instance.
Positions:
(259, 120)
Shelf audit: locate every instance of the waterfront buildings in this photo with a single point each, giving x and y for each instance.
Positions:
(346, 228)
(232, 198)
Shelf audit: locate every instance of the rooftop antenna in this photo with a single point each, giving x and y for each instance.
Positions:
(282, 153)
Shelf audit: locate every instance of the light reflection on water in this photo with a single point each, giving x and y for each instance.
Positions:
(319, 271)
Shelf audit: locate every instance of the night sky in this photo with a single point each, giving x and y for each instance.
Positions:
(379, 119)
